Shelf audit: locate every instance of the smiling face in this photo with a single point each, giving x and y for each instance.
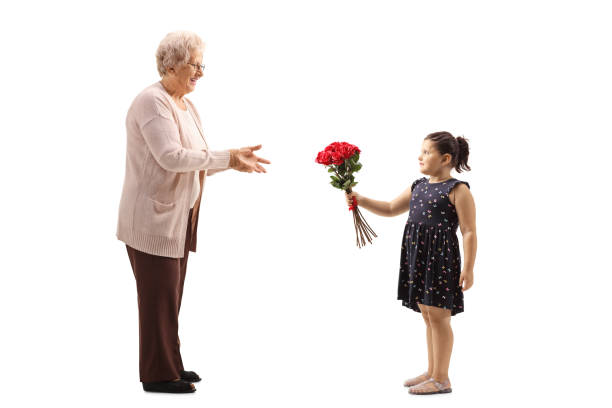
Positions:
(185, 76)
(431, 162)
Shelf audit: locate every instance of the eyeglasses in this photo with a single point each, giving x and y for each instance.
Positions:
(197, 66)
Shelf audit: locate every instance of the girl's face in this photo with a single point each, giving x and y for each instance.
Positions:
(431, 162)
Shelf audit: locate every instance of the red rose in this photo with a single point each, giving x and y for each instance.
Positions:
(337, 157)
(354, 149)
(347, 151)
(336, 153)
(319, 158)
(324, 158)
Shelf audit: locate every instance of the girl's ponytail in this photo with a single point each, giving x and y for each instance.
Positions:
(463, 151)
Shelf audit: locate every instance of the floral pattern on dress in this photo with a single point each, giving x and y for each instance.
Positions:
(430, 262)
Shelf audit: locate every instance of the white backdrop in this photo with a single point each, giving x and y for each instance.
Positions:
(280, 307)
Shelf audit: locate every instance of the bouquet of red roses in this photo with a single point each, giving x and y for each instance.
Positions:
(342, 159)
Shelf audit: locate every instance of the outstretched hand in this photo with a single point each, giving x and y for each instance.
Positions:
(245, 160)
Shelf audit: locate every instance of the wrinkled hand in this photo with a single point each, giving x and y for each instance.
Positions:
(349, 198)
(466, 280)
(245, 160)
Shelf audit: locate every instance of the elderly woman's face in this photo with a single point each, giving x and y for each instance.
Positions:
(186, 75)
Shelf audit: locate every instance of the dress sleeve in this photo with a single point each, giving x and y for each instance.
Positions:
(460, 181)
(414, 184)
(162, 137)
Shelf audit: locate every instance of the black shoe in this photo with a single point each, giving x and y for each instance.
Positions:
(190, 376)
(175, 387)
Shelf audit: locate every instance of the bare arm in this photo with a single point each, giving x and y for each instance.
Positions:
(397, 206)
(466, 212)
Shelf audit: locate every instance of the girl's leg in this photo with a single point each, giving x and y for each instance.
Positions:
(442, 336)
(430, 357)
(430, 349)
(442, 345)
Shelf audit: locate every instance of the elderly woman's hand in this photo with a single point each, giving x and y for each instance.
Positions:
(245, 160)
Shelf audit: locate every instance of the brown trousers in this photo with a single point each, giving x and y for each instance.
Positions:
(159, 281)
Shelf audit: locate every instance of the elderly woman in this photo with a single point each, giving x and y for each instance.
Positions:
(168, 159)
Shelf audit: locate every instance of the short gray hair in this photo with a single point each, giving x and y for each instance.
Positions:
(175, 48)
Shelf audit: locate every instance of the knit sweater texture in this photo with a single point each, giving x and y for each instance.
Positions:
(162, 158)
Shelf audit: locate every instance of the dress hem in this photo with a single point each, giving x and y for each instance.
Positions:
(414, 306)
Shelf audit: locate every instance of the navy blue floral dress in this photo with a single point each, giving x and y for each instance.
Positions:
(430, 263)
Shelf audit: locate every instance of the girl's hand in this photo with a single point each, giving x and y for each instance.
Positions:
(349, 198)
(466, 280)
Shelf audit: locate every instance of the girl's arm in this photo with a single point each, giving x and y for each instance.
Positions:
(466, 212)
(397, 206)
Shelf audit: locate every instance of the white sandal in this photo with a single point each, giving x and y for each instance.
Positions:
(413, 381)
(442, 388)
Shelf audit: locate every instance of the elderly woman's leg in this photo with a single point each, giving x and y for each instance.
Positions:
(157, 281)
(186, 375)
(182, 274)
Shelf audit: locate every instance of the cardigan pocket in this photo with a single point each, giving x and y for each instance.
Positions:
(160, 219)
(162, 207)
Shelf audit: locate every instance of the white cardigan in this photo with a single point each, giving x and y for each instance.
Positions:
(162, 157)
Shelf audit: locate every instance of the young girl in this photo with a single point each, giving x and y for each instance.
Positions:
(430, 279)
